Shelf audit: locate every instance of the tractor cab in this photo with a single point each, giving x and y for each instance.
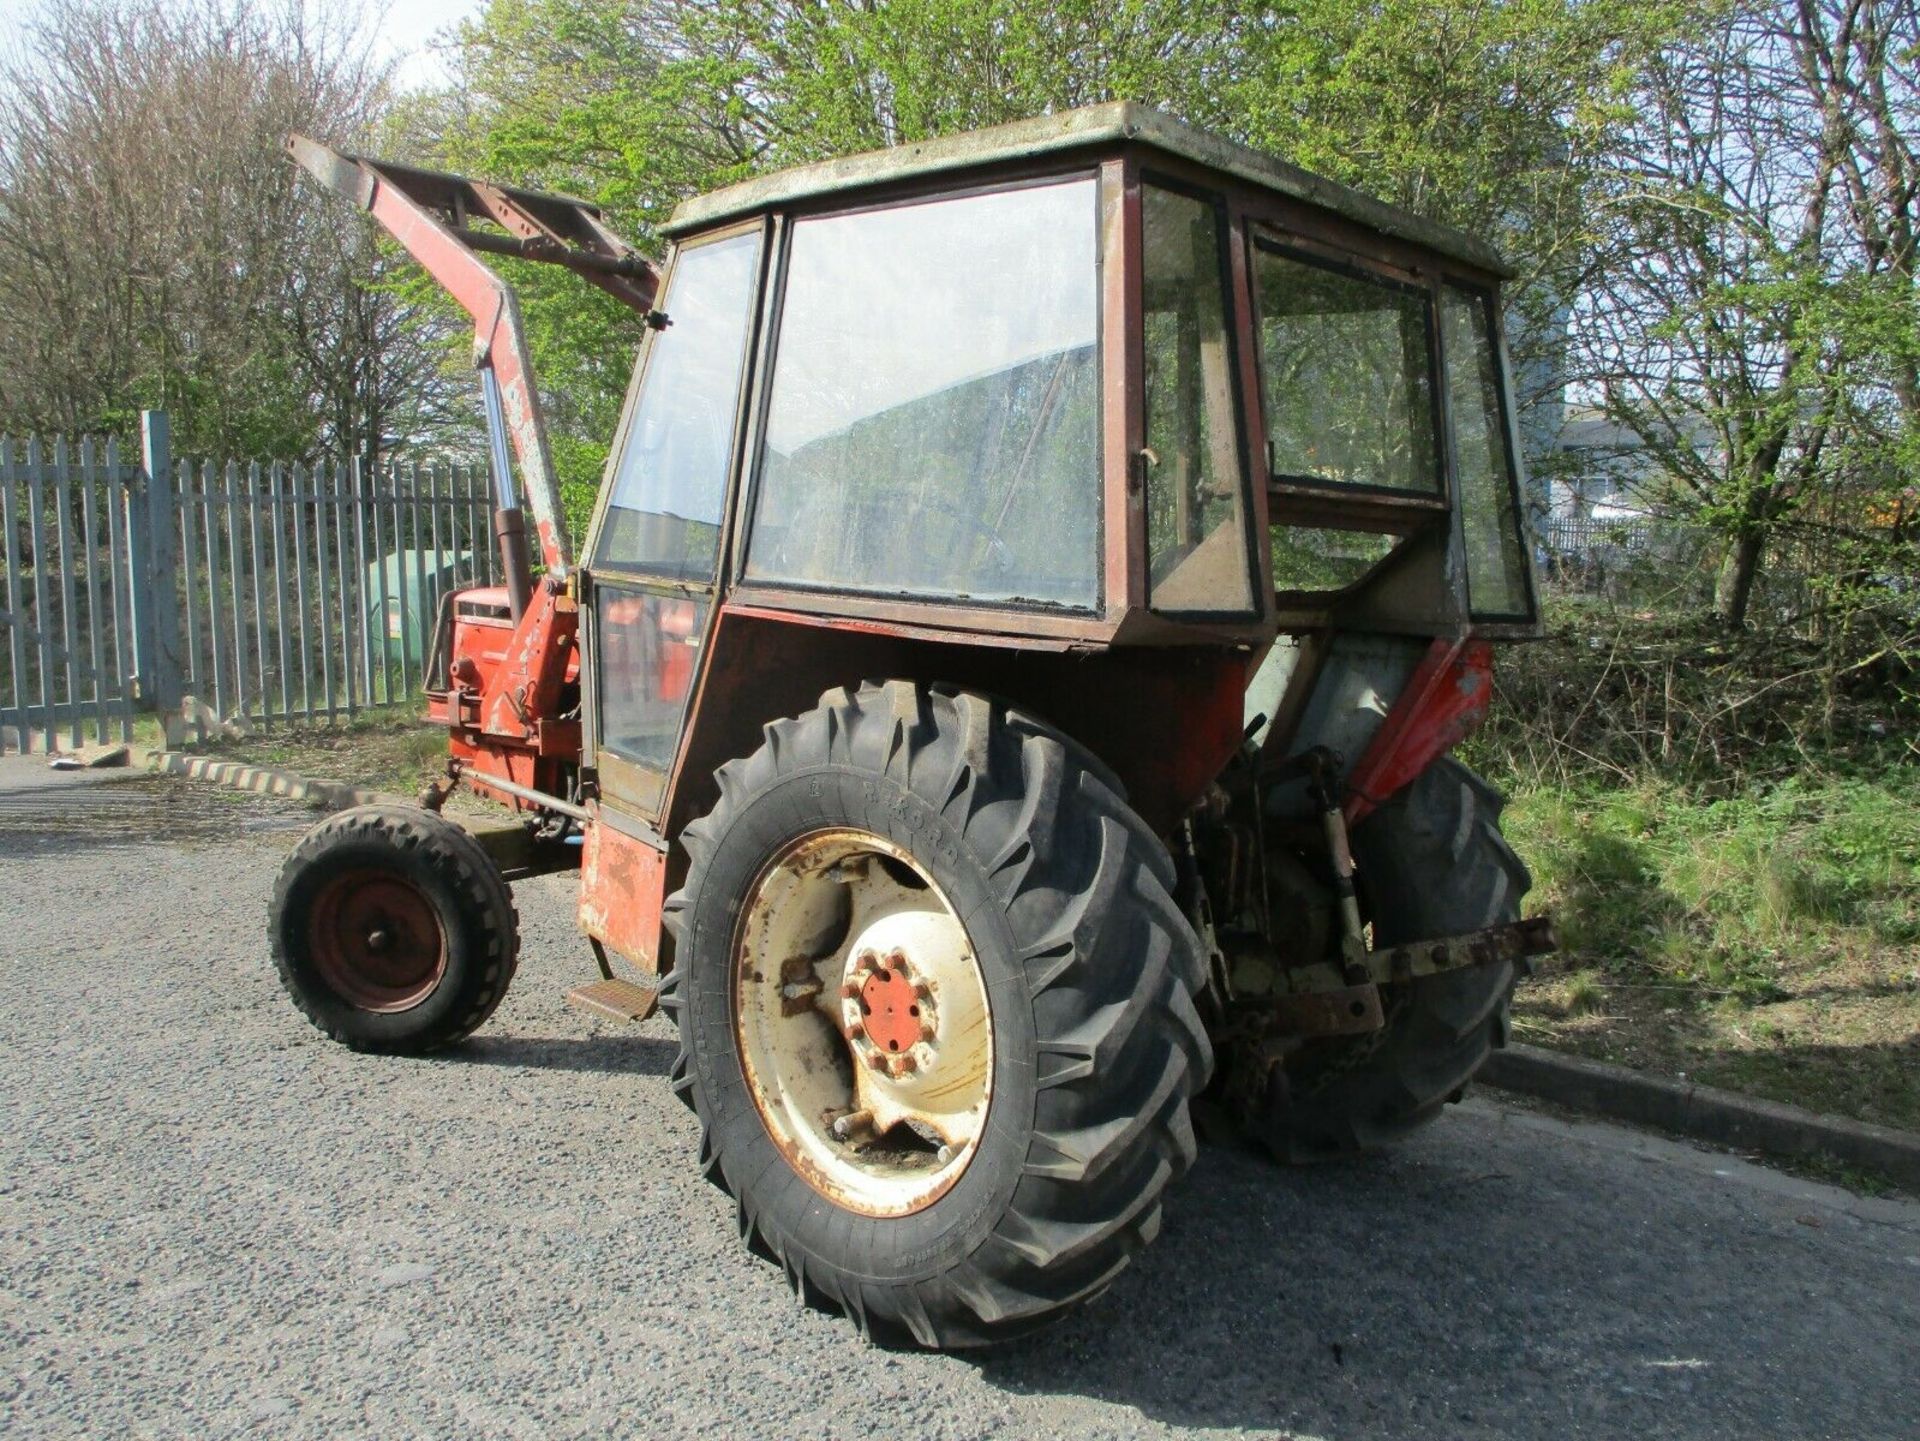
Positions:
(1089, 384)
(1001, 708)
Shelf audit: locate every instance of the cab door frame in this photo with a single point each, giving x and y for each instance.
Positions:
(623, 784)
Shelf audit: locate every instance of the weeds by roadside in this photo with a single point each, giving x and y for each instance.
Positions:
(395, 754)
(1729, 837)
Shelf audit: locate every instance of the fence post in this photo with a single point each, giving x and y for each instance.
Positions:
(150, 562)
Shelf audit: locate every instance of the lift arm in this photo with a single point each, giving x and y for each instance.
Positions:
(432, 215)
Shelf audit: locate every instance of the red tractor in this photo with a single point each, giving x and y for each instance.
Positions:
(1002, 703)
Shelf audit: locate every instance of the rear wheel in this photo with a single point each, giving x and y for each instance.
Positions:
(393, 930)
(936, 1013)
(1431, 863)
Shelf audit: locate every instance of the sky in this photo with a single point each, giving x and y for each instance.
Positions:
(403, 31)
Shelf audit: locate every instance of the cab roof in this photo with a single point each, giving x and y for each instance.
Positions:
(1092, 127)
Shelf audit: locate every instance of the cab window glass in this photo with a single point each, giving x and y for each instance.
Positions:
(1497, 581)
(1315, 558)
(670, 487)
(649, 647)
(1346, 367)
(1196, 500)
(933, 428)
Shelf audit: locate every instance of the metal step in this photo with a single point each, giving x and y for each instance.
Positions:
(622, 1000)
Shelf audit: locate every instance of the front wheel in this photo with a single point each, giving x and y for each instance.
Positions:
(393, 930)
(936, 1013)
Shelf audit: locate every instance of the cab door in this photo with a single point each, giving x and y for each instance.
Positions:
(655, 547)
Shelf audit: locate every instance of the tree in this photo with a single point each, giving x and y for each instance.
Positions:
(1496, 115)
(1757, 324)
(156, 248)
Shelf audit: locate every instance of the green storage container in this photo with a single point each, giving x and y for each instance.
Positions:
(411, 582)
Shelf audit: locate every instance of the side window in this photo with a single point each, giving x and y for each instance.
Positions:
(1487, 481)
(933, 428)
(670, 487)
(1198, 559)
(1346, 367)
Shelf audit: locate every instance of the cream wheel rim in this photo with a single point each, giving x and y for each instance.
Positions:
(862, 1021)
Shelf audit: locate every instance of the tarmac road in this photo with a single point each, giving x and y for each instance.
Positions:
(213, 1222)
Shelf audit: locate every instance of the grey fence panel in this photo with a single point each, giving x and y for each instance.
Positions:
(69, 631)
(42, 608)
(193, 677)
(236, 596)
(63, 519)
(323, 587)
(266, 592)
(284, 649)
(120, 574)
(257, 567)
(298, 504)
(12, 710)
(90, 549)
(205, 498)
(384, 528)
(343, 517)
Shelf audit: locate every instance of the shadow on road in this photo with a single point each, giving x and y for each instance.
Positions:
(616, 1054)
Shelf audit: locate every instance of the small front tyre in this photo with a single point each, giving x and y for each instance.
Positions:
(936, 1013)
(393, 930)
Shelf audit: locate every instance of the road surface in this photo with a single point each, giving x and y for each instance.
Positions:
(213, 1222)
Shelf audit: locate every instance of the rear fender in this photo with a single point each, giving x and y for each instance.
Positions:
(1444, 699)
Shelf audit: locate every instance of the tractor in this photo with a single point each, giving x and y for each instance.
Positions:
(1001, 709)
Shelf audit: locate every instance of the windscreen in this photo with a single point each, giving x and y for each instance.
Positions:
(663, 517)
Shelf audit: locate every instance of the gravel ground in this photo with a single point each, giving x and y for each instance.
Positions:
(213, 1222)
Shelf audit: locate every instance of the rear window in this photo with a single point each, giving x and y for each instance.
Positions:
(1346, 364)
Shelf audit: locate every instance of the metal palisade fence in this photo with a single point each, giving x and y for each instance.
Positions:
(243, 591)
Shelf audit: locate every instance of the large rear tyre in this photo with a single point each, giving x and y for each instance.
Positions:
(1431, 862)
(936, 1013)
(393, 930)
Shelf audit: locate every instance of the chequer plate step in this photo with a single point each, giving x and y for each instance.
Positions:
(622, 1000)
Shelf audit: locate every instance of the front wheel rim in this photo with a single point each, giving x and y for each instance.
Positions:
(376, 940)
(862, 1021)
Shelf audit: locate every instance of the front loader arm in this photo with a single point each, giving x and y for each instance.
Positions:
(431, 214)
(507, 734)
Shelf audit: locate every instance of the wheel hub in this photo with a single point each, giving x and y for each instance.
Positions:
(376, 940)
(888, 1012)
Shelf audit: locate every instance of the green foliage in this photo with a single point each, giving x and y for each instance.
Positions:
(1723, 896)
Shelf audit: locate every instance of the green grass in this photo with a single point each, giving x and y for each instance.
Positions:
(1768, 942)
